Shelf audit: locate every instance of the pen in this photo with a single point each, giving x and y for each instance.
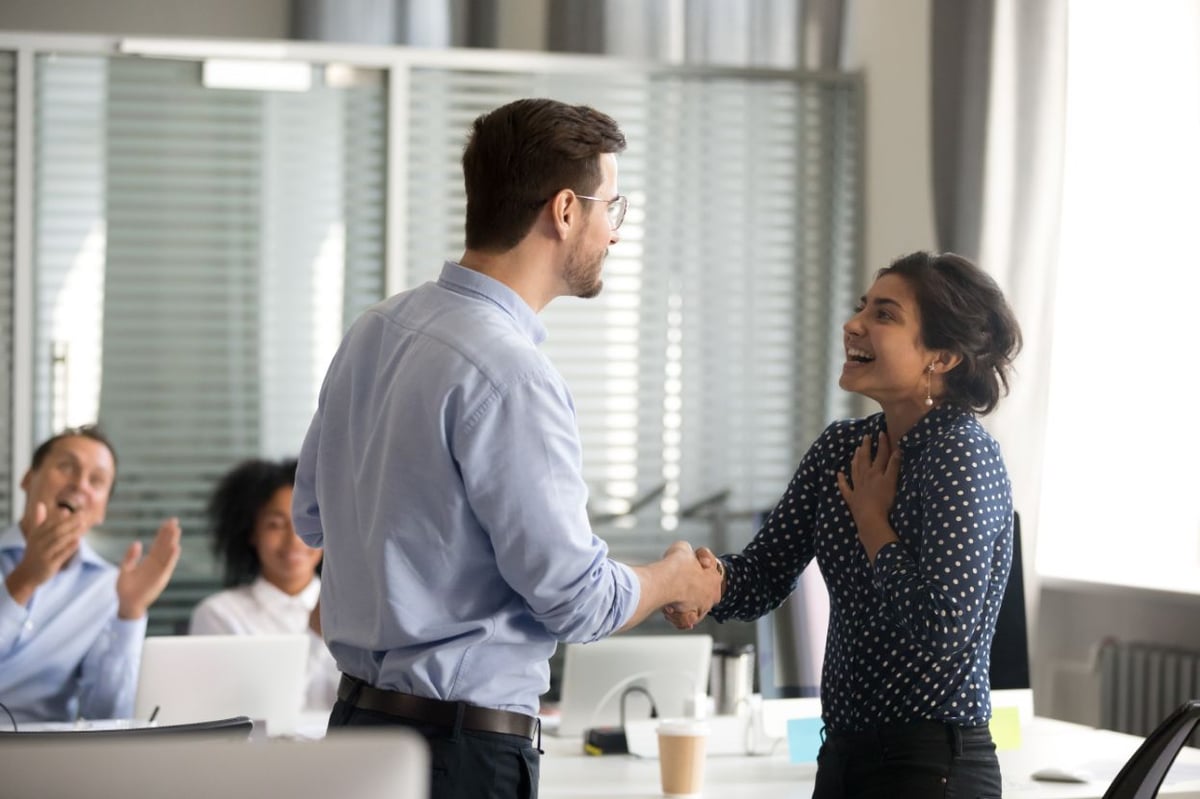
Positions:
(153, 715)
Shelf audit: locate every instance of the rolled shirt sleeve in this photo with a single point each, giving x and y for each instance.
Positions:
(521, 464)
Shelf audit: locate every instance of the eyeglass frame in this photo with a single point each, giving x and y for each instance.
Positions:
(623, 206)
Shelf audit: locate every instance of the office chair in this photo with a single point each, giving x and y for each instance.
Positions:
(1010, 645)
(1142, 775)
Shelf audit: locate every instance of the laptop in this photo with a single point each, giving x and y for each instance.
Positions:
(192, 678)
(383, 763)
(671, 669)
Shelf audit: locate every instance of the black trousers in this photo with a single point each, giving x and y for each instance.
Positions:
(466, 764)
(924, 759)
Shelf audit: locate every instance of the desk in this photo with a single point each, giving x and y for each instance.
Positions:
(566, 772)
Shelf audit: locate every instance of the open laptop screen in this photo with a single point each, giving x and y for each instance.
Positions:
(672, 669)
(191, 678)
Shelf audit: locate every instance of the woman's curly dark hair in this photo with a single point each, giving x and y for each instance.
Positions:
(233, 513)
(964, 312)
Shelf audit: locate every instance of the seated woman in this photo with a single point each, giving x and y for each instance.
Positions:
(271, 572)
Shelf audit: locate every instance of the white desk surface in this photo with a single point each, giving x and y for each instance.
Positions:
(567, 772)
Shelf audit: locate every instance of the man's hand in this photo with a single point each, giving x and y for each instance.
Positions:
(53, 540)
(702, 584)
(141, 580)
(679, 578)
(685, 616)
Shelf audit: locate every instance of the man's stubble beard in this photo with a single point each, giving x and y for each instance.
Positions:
(583, 277)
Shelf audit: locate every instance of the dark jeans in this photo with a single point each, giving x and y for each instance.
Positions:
(924, 759)
(466, 764)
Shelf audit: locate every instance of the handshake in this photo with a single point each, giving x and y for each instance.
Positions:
(697, 585)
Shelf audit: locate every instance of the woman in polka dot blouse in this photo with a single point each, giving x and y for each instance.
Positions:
(909, 515)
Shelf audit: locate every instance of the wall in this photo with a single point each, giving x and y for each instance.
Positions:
(243, 19)
(888, 42)
(1075, 618)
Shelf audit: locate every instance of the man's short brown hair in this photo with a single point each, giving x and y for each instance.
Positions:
(520, 155)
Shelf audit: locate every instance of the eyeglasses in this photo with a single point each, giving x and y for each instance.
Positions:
(616, 209)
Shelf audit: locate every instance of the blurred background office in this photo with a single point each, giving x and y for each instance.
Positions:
(184, 255)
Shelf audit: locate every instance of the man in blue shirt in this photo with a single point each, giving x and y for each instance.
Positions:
(442, 470)
(71, 624)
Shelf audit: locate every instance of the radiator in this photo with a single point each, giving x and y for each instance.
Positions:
(1141, 684)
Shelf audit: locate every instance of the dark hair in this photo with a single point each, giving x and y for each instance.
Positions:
(91, 431)
(233, 513)
(964, 312)
(520, 155)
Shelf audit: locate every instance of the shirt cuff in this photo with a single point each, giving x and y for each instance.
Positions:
(732, 595)
(627, 585)
(128, 631)
(890, 559)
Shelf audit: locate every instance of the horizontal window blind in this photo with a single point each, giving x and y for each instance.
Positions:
(200, 254)
(706, 366)
(8, 143)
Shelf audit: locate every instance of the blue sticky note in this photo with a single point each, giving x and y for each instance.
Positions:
(804, 739)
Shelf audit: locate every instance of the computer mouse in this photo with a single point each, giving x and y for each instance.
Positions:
(1053, 774)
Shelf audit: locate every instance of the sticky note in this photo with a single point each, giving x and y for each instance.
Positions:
(804, 739)
(1006, 727)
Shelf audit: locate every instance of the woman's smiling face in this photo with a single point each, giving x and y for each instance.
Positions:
(886, 359)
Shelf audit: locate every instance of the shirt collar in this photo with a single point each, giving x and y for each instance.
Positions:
(12, 539)
(930, 426)
(461, 280)
(265, 592)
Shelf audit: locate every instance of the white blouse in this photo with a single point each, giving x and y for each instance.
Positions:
(261, 608)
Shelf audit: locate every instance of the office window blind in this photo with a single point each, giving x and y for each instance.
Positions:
(200, 252)
(706, 366)
(7, 157)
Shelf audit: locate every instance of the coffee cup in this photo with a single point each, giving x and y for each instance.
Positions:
(681, 749)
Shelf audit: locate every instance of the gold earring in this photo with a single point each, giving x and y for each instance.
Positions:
(929, 387)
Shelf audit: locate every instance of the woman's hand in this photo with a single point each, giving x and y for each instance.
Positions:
(871, 491)
(683, 617)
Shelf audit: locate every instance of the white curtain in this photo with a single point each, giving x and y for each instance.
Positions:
(1005, 206)
(1019, 235)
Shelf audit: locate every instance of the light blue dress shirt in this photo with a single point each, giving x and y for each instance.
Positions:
(67, 655)
(442, 474)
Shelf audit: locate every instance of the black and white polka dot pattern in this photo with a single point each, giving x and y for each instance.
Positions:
(910, 638)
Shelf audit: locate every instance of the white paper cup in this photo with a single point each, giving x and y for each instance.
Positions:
(681, 749)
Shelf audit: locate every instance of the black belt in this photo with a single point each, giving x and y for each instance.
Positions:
(953, 733)
(436, 712)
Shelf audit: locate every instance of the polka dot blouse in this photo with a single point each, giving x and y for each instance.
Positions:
(910, 638)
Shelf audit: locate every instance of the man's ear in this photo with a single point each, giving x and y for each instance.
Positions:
(564, 211)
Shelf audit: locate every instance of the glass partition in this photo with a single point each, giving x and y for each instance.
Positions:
(199, 252)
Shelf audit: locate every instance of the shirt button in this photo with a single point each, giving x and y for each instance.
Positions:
(29, 624)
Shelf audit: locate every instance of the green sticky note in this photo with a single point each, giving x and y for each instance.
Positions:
(1006, 728)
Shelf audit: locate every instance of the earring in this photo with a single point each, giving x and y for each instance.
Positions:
(929, 387)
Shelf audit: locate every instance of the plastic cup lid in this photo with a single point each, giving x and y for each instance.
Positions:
(690, 727)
